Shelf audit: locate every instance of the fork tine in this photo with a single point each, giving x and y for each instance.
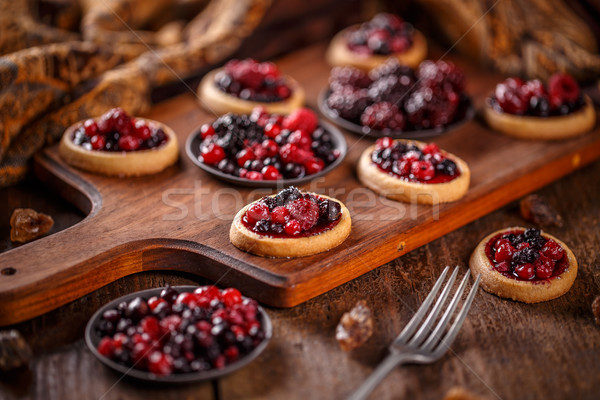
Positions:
(434, 337)
(453, 331)
(416, 319)
(421, 334)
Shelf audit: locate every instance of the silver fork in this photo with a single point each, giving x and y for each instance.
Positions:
(424, 347)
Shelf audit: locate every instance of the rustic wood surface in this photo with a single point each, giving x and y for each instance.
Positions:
(506, 350)
(180, 219)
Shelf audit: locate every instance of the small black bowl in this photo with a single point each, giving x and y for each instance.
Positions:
(466, 112)
(192, 149)
(92, 339)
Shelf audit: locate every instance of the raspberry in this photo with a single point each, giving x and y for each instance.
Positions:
(349, 103)
(562, 89)
(305, 211)
(280, 215)
(246, 72)
(303, 119)
(348, 76)
(383, 115)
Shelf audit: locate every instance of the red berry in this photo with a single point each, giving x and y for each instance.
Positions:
(140, 352)
(142, 130)
(272, 130)
(305, 211)
(207, 130)
(243, 156)
(91, 127)
(313, 166)
(129, 143)
(522, 245)
(384, 143)
(257, 113)
(212, 292)
(160, 364)
(219, 362)
(552, 250)
(270, 147)
(154, 301)
(300, 138)
(185, 298)
(151, 326)
(212, 154)
(431, 148)
(231, 297)
(106, 347)
(544, 267)
(254, 176)
(293, 228)
(504, 252)
(422, 170)
(503, 266)
(510, 97)
(270, 173)
(257, 211)
(170, 322)
(525, 271)
(231, 353)
(98, 142)
(303, 119)
(563, 87)
(280, 215)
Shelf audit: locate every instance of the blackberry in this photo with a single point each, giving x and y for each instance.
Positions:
(348, 76)
(383, 115)
(270, 202)
(390, 88)
(446, 167)
(287, 195)
(442, 75)
(348, 102)
(428, 108)
(525, 256)
(392, 67)
(277, 228)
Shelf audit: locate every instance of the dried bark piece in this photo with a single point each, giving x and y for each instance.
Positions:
(355, 327)
(27, 224)
(596, 310)
(14, 350)
(460, 393)
(536, 209)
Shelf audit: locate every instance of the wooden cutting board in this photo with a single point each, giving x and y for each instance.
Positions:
(179, 219)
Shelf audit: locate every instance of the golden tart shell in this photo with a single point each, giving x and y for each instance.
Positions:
(542, 128)
(123, 164)
(338, 53)
(413, 192)
(217, 101)
(494, 282)
(261, 245)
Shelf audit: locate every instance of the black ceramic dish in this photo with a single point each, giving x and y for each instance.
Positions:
(192, 149)
(92, 339)
(466, 112)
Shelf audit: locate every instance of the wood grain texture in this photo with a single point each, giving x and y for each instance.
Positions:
(179, 219)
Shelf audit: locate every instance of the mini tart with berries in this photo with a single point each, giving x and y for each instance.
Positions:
(116, 144)
(241, 85)
(412, 171)
(532, 110)
(291, 224)
(370, 44)
(524, 265)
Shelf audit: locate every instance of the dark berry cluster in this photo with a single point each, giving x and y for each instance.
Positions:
(253, 81)
(525, 255)
(115, 130)
(383, 35)
(393, 97)
(409, 162)
(561, 96)
(266, 146)
(292, 213)
(181, 332)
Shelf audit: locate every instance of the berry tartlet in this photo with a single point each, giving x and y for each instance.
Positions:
(532, 110)
(266, 147)
(413, 172)
(291, 224)
(116, 144)
(393, 99)
(369, 44)
(179, 334)
(241, 85)
(524, 264)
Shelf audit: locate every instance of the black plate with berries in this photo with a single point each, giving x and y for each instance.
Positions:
(194, 353)
(267, 150)
(465, 113)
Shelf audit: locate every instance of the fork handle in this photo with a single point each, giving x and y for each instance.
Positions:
(384, 368)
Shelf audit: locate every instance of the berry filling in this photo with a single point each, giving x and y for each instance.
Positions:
(250, 80)
(526, 255)
(560, 96)
(393, 97)
(292, 213)
(383, 35)
(115, 131)
(266, 146)
(181, 332)
(413, 164)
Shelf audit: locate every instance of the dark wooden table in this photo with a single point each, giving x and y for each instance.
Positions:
(506, 350)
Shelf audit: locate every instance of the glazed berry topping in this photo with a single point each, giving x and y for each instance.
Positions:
(383, 35)
(393, 97)
(515, 96)
(181, 332)
(408, 162)
(292, 213)
(526, 255)
(266, 146)
(253, 81)
(115, 131)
